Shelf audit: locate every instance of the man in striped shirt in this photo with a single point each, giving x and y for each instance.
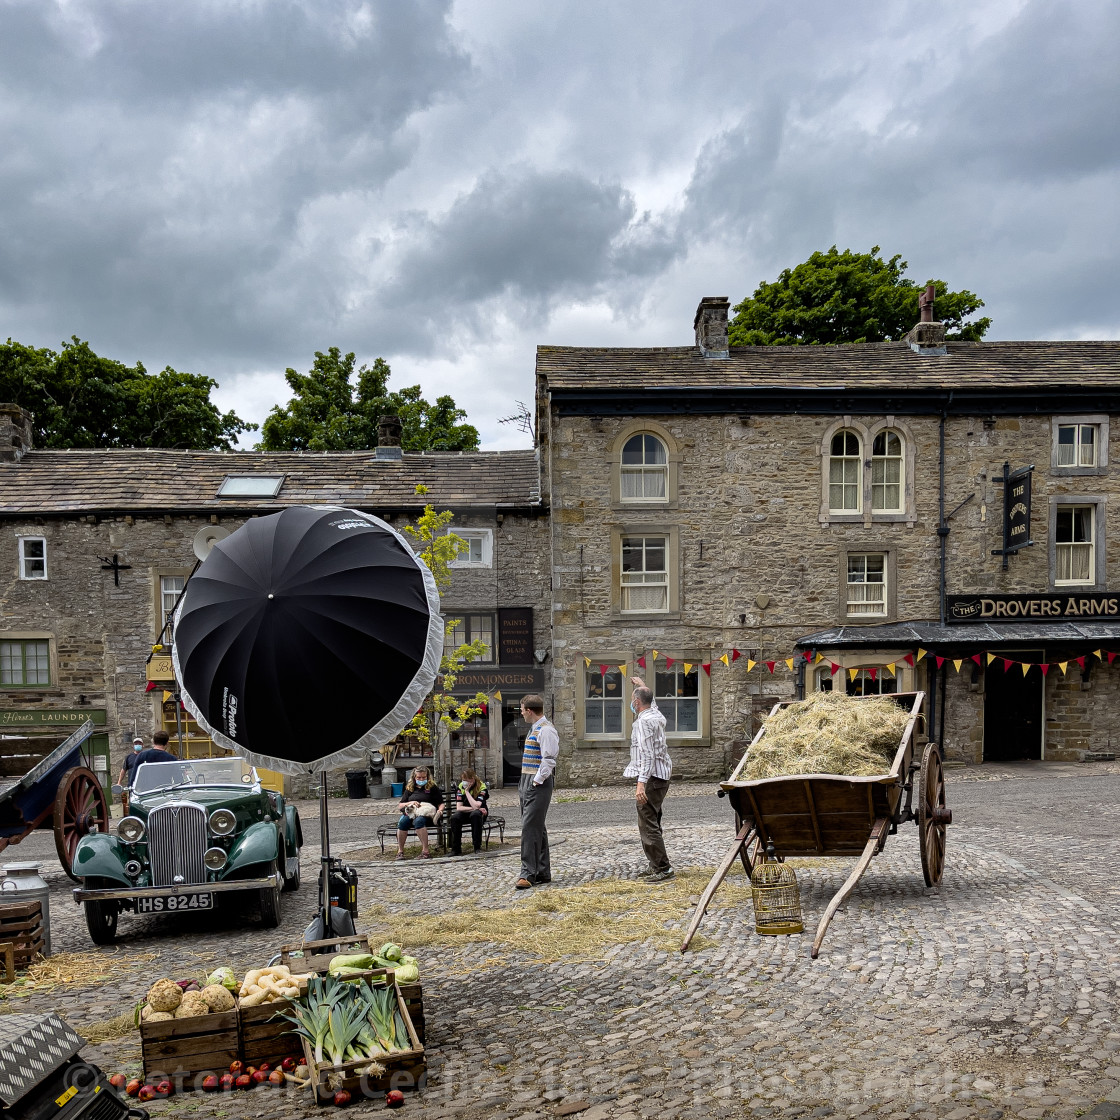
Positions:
(651, 765)
(538, 762)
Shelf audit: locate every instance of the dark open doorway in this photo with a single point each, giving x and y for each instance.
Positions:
(1013, 710)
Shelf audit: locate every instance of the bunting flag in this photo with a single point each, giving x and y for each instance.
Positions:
(909, 659)
(770, 665)
(890, 668)
(1026, 668)
(958, 663)
(735, 655)
(820, 658)
(167, 696)
(940, 660)
(688, 667)
(642, 661)
(1062, 665)
(670, 662)
(750, 664)
(1080, 663)
(726, 660)
(655, 655)
(1098, 655)
(587, 662)
(835, 668)
(872, 672)
(498, 695)
(1007, 665)
(707, 667)
(978, 658)
(152, 685)
(1111, 658)
(1045, 668)
(921, 653)
(603, 670)
(852, 674)
(789, 664)
(992, 657)
(809, 655)
(622, 669)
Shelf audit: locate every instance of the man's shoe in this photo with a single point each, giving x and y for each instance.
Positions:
(523, 884)
(660, 876)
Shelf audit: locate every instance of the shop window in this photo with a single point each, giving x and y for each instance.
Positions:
(479, 550)
(471, 628)
(678, 698)
(886, 472)
(25, 662)
(845, 472)
(32, 557)
(884, 684)
(602, 702)
(170, 588)
(867, 585)
(1074, 550)
(644, 475)
(645, 574)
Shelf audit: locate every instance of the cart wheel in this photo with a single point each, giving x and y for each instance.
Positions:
(79, 809)
(933, 815)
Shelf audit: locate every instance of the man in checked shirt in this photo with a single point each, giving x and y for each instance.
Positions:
(651, 765)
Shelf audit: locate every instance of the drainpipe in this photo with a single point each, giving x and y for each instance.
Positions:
(942, 524)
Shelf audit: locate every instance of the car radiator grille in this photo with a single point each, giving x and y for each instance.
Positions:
(176, 844)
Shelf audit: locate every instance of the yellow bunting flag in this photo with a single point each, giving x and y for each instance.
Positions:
(1062, 665)
(921, 653)
(750, 664)
(1098, 655)
(992, 657)
(820, 658)
(497, 696)
(622, 669)
(957, 664)
(890, 668)
(587, 662)
(852, 674)
(789, 663)
(688, 667)
(725, 660)
(166, 697)
(655, 655)
(1025, 666)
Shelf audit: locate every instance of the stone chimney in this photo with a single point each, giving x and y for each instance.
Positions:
(927, 336)
(15, 433)
(711, 326)
(389, 439)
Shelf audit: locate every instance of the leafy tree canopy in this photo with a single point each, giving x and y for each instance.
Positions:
(82, 400)
(847, 297)
(333, 410)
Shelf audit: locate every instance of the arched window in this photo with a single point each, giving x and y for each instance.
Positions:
(645, 470)
(886, 472)
(844, 474)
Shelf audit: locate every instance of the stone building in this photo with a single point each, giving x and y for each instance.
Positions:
(95, 547)
(835, 515)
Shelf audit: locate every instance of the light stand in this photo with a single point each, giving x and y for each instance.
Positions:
(330, 921)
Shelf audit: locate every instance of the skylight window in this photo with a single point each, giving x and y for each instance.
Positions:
(251, 486)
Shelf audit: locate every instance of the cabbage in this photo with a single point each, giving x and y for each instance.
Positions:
(223, 976)
(407, 974)
(390, 951)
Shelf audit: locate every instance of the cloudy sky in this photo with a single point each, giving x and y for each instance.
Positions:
(227, 186)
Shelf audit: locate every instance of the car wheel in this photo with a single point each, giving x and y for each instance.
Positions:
(291, 883)
(101, 921)
(270, 897)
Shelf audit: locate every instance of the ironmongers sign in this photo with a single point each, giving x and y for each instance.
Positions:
(487, 679)
(1032, 608)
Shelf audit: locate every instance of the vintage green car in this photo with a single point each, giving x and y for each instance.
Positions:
(196, 829)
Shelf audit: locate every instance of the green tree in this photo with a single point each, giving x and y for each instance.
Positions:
(332, 410)
(80, 399)
(847, 297)
(437, 547)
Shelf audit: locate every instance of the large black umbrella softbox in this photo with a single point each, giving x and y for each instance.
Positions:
(308, 638)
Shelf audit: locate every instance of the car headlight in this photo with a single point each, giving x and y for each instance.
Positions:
(222, 822)
(130, 829)
(215, 858)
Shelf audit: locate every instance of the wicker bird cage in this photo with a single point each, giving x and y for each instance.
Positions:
(777, 901)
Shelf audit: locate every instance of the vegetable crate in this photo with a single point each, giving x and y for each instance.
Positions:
(21, 924)
(403, 1070)
(412, 995)
(265, 1035)
(181, 1049)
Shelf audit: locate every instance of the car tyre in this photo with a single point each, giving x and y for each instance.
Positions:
(101, 920)
(270, 896)
(292, 882)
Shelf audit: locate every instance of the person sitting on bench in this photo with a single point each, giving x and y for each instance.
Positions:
(420, 807)
(470, 807)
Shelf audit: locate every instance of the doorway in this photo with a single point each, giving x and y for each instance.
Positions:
(514, 730)
(1013, 710)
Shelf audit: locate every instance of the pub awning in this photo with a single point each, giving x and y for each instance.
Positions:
(978, 635)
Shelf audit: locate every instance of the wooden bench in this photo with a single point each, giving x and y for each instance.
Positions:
(442, 831)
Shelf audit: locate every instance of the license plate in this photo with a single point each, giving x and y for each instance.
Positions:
(189, 900)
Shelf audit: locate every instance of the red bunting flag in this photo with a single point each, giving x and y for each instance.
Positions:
(151, 685)
(735, 655)
(909, 659)
(978, 658)
(1080, 663)
(770, 665)
(707, 667)
(835, 668)
(940, 660)
(486, 709)
(872, 672)
(1045, 668)
(1111, 657)
(1007, 664)
(669, 662)
(603, 670)
(808, 655)
(642, 662)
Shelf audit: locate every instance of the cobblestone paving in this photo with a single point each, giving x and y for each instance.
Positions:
(996, 996)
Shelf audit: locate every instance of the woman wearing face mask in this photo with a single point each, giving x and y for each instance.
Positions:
(420, 790)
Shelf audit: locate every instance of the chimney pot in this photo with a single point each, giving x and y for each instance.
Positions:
(927, 336)
(15, 433)
(710, 325)
(389, 438)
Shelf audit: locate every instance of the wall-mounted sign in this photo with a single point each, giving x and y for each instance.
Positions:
(45, 717)
(477, 678)
(1016, 512)
(160, 669)
(1032, 608)
(515, 635)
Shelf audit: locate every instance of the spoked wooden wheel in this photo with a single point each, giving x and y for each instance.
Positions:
(79, 809)
(933, 815)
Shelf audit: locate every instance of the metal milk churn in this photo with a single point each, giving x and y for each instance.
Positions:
(23, 883)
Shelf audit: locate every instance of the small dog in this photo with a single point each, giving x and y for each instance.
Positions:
(415, 811)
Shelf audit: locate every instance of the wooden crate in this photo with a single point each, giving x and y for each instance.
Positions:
(21, 924)
(265, 1036)
(413, 996)
(403, 1071)
(184, 1049)
(317, 955)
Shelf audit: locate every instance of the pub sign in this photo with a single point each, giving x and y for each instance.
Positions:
(1032, 608)
(1016, 511)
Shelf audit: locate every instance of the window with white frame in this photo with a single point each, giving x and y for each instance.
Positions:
(678, 699)
(25, 662)
(845, 473)
(645, 574)
(471, 628)
(602, 701)
(1074, 545)
(645, 470)
(170, 588)
(867, 584)
(32, 557)
(872, 681)
(479, 551)
(886, 472)
(1077, 445)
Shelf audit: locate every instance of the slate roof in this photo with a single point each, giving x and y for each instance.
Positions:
(876, 365)
(148, 481)
(978, 635)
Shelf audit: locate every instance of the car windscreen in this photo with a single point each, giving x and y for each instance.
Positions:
(152, 776)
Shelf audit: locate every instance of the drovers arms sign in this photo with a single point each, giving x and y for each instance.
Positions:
(1038, 608)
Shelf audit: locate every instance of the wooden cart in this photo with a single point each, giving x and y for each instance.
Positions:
(831, 815)
(61, 791)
